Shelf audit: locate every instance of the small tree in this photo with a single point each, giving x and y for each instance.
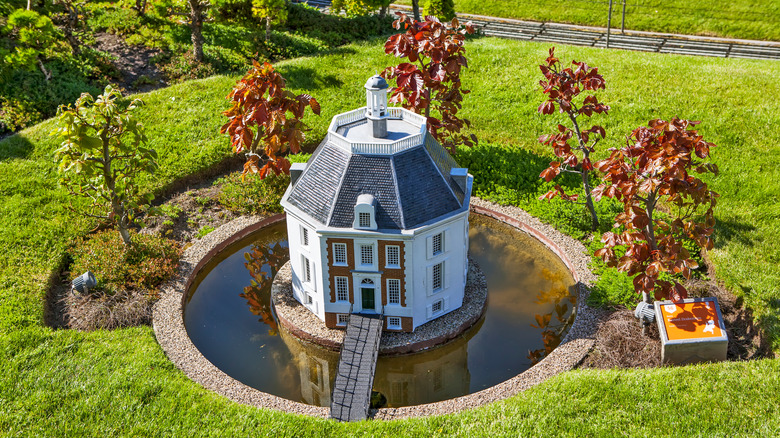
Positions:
(444, 10)
(654, 169)
(272, 11)
(101, 154)
(31, 34)
(265, 120)
(562, 86)
(195, 12)
(430, 83)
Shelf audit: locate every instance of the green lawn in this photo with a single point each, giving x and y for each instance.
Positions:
(750, 19)
(59, 382)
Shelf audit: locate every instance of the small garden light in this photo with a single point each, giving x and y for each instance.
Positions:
(645, 313)
(84, 282)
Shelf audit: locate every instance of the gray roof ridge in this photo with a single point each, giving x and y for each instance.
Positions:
(436, 166)
(338, 190)
(397, 193)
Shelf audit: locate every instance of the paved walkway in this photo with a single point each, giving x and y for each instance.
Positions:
(357, 363)
(597, 37)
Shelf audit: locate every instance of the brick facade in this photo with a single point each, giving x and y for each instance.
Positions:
(395, 273)
(340, 271)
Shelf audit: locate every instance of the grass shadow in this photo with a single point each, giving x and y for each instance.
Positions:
(308, 78)
(727, 231)
(15, 146)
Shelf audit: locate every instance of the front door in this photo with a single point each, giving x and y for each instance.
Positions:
(368, 298)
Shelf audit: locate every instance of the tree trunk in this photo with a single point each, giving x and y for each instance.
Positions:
(416, 9)
(29, 4)
(117, 208)
(196, 26)
(46, 73)
(589, 201)
(267, 29)
(140, 6)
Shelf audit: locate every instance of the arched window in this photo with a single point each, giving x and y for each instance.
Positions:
(367, 283)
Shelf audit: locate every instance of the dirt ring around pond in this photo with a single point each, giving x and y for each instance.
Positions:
(168, 322)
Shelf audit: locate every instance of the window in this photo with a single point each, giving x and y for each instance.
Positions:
(437, 306)
(438, 379)
(339, 253)
(342, 289)
(342, 319)
(394, 291)
(309, 299)
(304, 236)
(394, 322)
(437, 276)
(366, 255)
(437, 243)
(392, 254)
(306, 270)
(364, 220)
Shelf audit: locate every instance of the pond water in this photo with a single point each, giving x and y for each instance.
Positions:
(531, 304)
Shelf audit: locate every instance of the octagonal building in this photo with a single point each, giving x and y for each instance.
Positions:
(377, 220)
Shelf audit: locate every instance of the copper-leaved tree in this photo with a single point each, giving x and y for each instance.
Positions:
(563, 86)
(429, 83)
(653, 169)
(265, 120)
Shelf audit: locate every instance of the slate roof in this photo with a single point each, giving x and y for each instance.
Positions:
(411, 187)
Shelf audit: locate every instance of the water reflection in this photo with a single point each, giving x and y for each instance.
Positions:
(263, 261)
(562, 301)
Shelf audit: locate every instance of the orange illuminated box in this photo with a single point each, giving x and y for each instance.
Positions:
(691, 331)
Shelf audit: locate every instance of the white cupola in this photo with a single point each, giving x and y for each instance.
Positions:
(376, 105)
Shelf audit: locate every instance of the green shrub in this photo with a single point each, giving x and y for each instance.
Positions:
(142, 267)
(444, 10)
(252, 195)
(17, 114)
(203, 231)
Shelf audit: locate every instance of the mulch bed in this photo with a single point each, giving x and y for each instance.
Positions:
(621, 344)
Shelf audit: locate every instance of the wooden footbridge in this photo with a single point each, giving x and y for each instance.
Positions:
(357, 363)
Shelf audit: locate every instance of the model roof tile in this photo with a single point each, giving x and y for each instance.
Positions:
(318, 186)
(410, 188)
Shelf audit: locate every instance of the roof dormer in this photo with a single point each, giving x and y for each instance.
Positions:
(365, 213)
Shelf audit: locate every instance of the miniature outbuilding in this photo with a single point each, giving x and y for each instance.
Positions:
(377, 219)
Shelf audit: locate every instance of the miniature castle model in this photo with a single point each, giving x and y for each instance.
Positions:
(377, 220)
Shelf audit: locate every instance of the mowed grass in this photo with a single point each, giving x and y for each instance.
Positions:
(758, 20)
(59, 382)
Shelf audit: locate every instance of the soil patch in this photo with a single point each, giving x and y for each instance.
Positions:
(620, 343)
(139, 73)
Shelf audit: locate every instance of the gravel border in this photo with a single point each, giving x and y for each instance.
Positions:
(168, 321)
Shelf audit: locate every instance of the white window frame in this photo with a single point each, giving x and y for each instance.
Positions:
(342, 319)
(364, 219)
(336, 261)
(434, 287)
(306, 269)
(439, 303)
(394, 322)
(390, 291)
(304, 236)
(370, 247)
(437, 240)
(345, 291)
(397, 257)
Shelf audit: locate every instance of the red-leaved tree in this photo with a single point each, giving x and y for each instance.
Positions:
(265, 120)
(562, 87)
(654, 168)
(429, 83)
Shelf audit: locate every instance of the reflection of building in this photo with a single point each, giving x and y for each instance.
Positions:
(377, 220)
(435, 375)
(317, 369)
